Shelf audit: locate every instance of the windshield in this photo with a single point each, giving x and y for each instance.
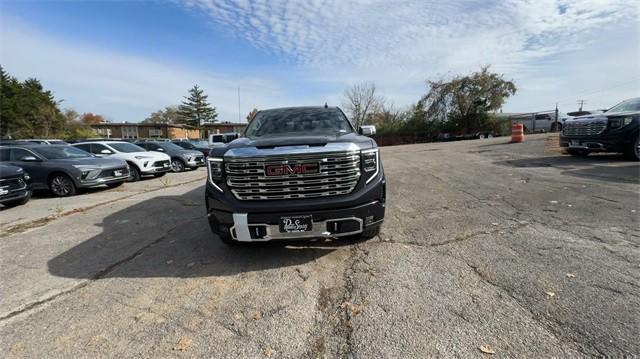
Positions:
(184, 144)
(200, 143)
(126, 147)
(302, 121)
(61, 152)
(625, 106)
(170, 146)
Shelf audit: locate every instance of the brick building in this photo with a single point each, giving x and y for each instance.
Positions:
(144, 130)
(223, 127)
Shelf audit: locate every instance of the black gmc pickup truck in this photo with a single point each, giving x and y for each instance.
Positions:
(298, 172)
(615, 130)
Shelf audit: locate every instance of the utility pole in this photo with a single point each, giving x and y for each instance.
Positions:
(581, 103)
(238, 104)
(556, 126)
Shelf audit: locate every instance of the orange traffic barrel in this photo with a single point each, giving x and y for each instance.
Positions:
(517, 132)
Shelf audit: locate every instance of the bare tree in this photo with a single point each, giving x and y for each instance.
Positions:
(360, 102)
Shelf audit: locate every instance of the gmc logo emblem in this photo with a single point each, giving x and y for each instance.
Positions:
(295, 169)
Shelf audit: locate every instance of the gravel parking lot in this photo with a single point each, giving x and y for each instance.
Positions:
(512, 248)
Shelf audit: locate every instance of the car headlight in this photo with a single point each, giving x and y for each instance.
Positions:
(370, 164)
(214, 169)
(88, 171)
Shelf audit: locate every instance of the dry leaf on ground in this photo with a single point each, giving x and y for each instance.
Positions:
(268, 353)
(550, 294)
(571, 275)
(257, 315)
(183, 344)
(487, 349)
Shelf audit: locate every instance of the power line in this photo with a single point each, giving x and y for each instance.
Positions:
(581, 103)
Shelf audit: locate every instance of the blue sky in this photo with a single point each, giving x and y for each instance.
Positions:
(125, 59)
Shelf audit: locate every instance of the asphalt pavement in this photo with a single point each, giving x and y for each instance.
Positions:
(488, 247)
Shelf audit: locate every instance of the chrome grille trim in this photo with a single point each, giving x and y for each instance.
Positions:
(339, 174)
(583, 128)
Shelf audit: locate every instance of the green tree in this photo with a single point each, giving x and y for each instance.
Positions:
(463, 103)
(169, 115)
(195, 110)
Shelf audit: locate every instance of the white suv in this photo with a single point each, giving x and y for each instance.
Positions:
(140, 161)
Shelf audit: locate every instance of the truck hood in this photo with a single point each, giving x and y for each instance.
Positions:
(601, 116)
(92, 161)
(245, 147)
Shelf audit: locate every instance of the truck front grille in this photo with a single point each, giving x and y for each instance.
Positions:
(12, 184)
(333, 174)
(584, 129)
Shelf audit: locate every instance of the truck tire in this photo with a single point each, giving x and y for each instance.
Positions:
(226, 239)
(370, 232)
(633, 151)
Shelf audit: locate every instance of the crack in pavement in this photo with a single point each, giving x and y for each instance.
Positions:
(30, 307)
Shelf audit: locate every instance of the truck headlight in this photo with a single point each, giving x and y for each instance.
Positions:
(214, 169)
(618, 122)
(370, 164)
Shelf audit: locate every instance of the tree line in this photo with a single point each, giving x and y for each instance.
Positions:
(461, 104)
(28, 110)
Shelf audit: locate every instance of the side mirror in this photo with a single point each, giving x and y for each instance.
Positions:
(105, 152)
(29, 159)
(367, 130)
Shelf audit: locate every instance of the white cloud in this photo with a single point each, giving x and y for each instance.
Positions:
(121, 86)
(400, 44)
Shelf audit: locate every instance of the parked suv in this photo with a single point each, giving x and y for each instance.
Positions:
(616, 130)
(180, 158)
(300, 172)
(63, 169)
(15, 186)
(141, 162)
(193, 145)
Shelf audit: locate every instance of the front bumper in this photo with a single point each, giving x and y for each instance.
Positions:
(15, 195)
(611, 140)
(338, 216)
(84, 183)
(256, 227)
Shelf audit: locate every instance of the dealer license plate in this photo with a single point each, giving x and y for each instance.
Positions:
(294, 224)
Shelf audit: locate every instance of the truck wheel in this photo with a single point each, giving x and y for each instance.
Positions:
(226, 239)
(578, 153)
(370, 232)
(61, 185)
(633, 151)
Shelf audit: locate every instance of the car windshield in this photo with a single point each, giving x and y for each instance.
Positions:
(200, 143)
(61, 152)
(184, 144)
(626, 106)
(297, 122)
(126, 147)
(170, 146)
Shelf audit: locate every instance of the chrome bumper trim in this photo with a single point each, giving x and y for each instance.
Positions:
(241, 230)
